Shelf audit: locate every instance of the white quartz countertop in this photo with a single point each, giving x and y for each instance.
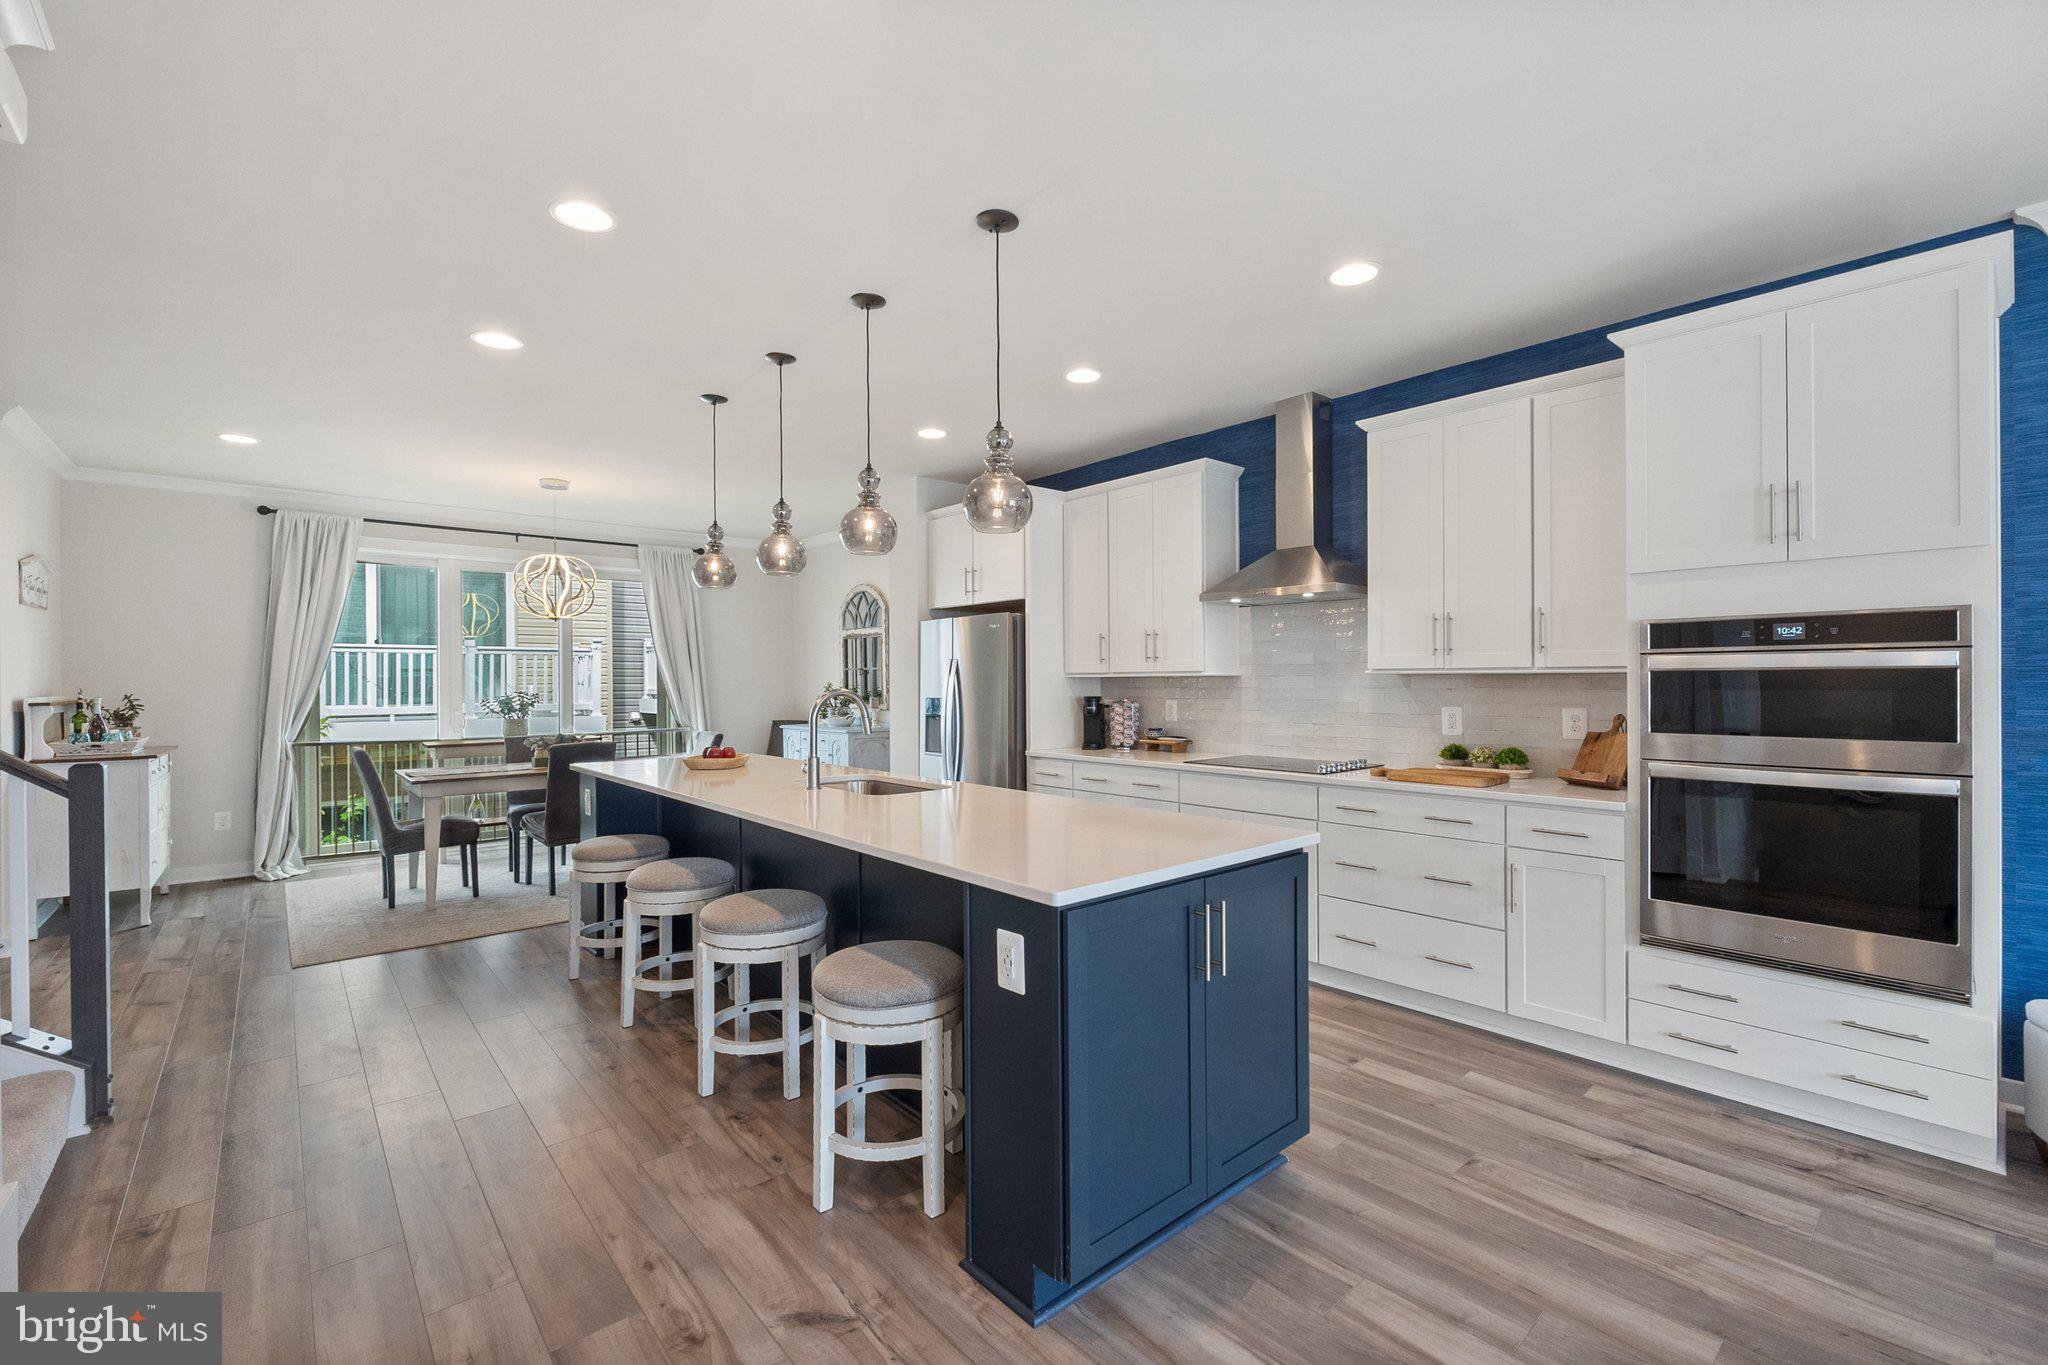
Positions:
(1049, 849)
(1542, 791)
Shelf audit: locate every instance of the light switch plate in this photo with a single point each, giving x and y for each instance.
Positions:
(1574, 722)
(1010, 960)
(1454, 720)
(1172, 711)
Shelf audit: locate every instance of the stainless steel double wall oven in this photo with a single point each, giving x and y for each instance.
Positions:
(1809, 793)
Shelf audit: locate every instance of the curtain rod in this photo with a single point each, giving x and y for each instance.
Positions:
(265, 510)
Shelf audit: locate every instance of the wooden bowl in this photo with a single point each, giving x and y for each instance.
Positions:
(697, 763)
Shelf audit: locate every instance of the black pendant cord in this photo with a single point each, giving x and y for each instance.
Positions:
(868, 379)
(778, 435)
(999, 327)
(714, 464)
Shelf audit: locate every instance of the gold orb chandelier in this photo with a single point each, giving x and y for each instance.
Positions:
(555, 586)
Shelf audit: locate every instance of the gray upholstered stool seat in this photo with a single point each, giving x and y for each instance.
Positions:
(770, 914)
(679, 879)
(887, 976)
(663, 891)
(617, 852)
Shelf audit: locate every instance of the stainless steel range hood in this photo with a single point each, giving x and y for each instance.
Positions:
(1303, 567)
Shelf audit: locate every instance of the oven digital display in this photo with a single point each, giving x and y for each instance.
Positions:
(1788, 630)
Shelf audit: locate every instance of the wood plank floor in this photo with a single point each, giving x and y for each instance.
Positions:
(455, 1154)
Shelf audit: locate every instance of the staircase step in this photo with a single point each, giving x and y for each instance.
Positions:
(35, 1117)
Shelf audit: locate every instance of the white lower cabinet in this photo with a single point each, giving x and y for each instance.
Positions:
(1457, 961)
(1566, 957)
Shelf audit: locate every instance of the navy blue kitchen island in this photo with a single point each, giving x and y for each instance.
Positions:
(1156, 1060)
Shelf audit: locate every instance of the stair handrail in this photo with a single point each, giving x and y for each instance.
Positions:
(34, 775)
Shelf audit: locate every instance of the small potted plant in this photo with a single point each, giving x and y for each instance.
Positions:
(838, 710)
(1454, 756)
(513, 708)
(1484, 756)
(1512, 761)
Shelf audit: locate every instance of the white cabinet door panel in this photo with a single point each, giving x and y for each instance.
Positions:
(1087, 586)
(1404, 546)
(998, 567)
(949, 558)
(1131, 563)
(1891, 410)
(1580, 556)
(1486, 530)
(1177, 574)
(1706, 447)
(1566, 942)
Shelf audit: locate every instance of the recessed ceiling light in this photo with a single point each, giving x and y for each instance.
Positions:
(582, 215)
(932, 433)
(1082, 374)
(236, 438)
(1305, 596)
(1353, 272)
(496, 341)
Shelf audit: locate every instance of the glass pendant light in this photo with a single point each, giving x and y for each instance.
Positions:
(998, 502)
(555, 586)
(869, 529)
(714, 567)
(781, 553)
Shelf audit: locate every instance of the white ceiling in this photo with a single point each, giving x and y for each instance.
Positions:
(285, 219)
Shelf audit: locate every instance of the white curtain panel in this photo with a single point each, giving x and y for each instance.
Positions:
(665, 572)
(312, 555)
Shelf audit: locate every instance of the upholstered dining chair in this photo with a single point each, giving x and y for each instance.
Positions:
(395, 836)
(518, 750)
(559, 823)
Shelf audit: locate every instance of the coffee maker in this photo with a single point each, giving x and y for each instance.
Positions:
(1094, 723)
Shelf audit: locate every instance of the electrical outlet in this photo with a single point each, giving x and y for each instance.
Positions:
(1010, 960)
(223, 819)
(1172, 708)
(1454, 720)
(1574, 722)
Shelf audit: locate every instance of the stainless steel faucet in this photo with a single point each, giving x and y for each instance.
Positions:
(813, 768)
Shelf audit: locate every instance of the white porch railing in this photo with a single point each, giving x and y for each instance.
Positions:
(378, 680)
(491, 671)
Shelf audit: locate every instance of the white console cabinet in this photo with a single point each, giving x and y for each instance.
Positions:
(138, 828)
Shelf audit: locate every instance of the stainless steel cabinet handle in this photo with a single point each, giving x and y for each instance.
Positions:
(1434, 648)
(1701, 1042)
(1542, 629)
(1223, 909)
(1447, 881)
(1136, 783)
(1360, 810)
(1094, 779)
(1207, 962)
(1102, 648)
(1447, 819)
(1560, 833)
(1450, 647)
(1447, 962)
(1362, 942)
(1704, 995)
(1771, 512)
(967, 581)
(1886, 1032)
(1362, 867)
(1797, 509)
(1888, 1089)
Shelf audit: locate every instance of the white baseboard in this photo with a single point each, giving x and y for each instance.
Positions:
(210, 872)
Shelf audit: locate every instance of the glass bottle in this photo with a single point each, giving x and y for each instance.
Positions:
(79, 719)
(97, 727)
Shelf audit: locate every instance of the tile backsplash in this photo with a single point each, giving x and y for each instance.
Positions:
(1305, 690)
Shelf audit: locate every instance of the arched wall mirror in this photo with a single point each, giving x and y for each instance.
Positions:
(864, 645)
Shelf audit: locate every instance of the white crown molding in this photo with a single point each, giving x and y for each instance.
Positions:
(23, 24)
(17, 424)
(2033, 215)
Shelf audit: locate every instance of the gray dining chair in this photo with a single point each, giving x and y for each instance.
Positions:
(395, 836)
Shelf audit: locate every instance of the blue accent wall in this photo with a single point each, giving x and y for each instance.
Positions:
(2024, 409)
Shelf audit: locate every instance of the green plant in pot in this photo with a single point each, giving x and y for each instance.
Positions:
(513, 708)
(1484, 756)
(1512, 760)
(1454, 755)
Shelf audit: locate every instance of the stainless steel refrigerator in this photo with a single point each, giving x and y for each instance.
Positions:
(971, 699)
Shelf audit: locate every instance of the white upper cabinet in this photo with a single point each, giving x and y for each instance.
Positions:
(1578, 521)
(1852, 415)
(1140, 552)
(1494, 531)
(964, 568)
(1486, 538)
(1087, 584)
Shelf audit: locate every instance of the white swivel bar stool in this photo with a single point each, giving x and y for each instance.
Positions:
(894, 991)
(606, 860)
(775, 924)
(662, 891)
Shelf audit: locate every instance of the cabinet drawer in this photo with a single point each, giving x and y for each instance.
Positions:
(1452, 879)
(1949, 1040)
(1446, 817)
(1044, 790)
(1460, 961)
(1050, 772)
(1249, 795)
(1590, 834)
(1109, 798)
(1967, 1103)
(1147, 783)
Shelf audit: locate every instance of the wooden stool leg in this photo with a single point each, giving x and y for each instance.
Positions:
(857, 1107)
(575, 949)
(629, 961)
(707, 997)
(742, 994)
(792, 1029)
(955, 1135)
(824, 1113)
(933, 1109)
(668, 970)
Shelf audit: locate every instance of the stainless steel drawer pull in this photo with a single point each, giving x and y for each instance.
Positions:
(1886, 1032)
(1701, 1042)
(1362, 867)
(1560, 833)
(1447, 962)
(1705, 995)
(1095, 779)
(1447, 819)
(1447, 881)
(1888, 1089)
(1136, 783)
(1362, 942)
(1360, 810)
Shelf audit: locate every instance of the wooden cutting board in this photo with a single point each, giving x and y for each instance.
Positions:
(1602, 759)
(1443, 777)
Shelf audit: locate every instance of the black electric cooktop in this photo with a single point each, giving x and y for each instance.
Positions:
(1320, 767)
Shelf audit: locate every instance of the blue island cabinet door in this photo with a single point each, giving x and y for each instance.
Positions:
(1135, 1108)
(1256, 1025)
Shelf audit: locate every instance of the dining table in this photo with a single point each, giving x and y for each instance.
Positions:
(433, 787)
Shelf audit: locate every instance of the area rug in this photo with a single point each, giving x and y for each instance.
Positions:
(335, 915)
